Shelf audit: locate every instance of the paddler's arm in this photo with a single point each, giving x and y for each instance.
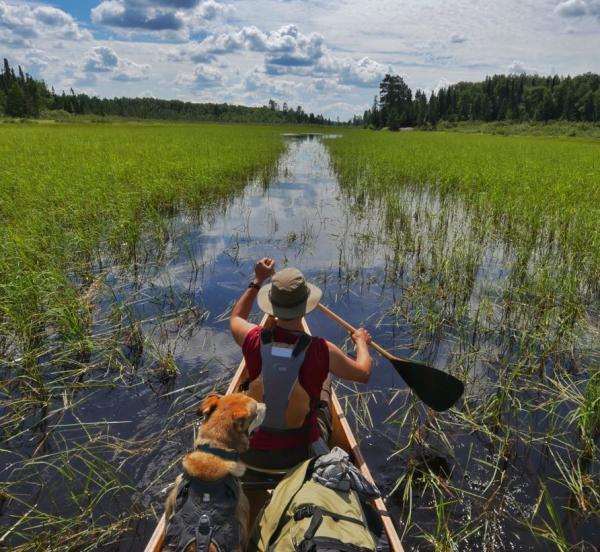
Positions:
(238, 323)
(347, 368)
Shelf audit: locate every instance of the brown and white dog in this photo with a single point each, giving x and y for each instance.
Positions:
(225, 432)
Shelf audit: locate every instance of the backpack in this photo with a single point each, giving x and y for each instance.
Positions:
(305, 516)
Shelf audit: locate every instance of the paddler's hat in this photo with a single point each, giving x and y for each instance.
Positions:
(288, 295)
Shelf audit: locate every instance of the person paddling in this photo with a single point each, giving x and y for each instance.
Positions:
(289, 370)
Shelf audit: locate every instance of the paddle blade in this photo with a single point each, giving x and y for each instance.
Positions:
(435, 388)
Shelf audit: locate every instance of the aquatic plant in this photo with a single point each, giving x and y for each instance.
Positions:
(492, 250)
(87, 214)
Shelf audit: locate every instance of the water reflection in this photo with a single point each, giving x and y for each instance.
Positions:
(376, 266)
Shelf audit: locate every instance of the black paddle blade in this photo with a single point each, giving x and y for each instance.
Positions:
(435, 388)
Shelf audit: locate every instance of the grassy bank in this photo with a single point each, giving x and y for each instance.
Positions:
(508, 128)
(80, 204)
(535, 188)
(493, 244)
(77, 197)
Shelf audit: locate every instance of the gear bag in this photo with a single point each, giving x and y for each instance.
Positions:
(205, 512)
(305, 516)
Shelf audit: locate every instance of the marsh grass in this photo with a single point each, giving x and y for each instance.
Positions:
(493, 249)
(86, 320)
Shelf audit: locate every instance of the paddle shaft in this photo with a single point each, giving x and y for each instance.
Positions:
(352, 329)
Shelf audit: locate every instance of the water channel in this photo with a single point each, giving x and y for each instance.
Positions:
(180, 305)
(302, 218)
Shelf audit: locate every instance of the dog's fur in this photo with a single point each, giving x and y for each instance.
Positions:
(228, 422)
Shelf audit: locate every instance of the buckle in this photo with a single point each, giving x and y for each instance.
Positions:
(304, 511)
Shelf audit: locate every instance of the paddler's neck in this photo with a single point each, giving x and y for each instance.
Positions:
(294, 325)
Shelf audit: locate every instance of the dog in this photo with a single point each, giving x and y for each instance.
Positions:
(207, 506)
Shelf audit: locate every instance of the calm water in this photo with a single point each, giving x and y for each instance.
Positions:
(301, 218)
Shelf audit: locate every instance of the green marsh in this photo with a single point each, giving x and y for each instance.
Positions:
(493, 246)
(124, 246)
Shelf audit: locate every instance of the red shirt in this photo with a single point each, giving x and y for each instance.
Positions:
(313, 373)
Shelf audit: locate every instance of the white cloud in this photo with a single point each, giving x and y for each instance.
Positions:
(442, 83)
(458, 38)
(176, 17)
(287, 51)
(40, 59)
(578, 8)
(102, 59)
(203, 76)
(518, 68)
(129, 71)
(211, 10)
(364, 72)
(21, 23)
(286, 46)
(11, 40)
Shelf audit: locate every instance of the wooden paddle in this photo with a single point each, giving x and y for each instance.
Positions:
(435, 388)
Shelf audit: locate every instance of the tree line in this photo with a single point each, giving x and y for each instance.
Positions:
(23, 96)
(20, 94)
(498, 98)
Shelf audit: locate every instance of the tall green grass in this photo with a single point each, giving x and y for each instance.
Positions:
(78, 204)
(492, 245)
(73, 198)
(530, 184)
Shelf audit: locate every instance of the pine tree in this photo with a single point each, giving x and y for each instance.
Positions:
(16, 105)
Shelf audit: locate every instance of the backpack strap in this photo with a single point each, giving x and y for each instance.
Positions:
(266, 336)
(317, 513)
(302, 344)
(309, 543)
(307, 466)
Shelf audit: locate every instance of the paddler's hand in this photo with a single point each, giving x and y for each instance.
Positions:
(361, 336)
(264, 269)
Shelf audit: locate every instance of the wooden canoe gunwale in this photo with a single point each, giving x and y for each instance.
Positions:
(341, 436)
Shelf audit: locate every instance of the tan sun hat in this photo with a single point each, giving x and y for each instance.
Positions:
(288, 295)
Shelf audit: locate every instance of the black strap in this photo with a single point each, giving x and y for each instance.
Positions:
(315, 523)
(312, 544)
(266, 336)
(302, 430)
(302, 344)
(230, 455)
(308, 510)
(283, 519)
(204, 532)
(328, 544)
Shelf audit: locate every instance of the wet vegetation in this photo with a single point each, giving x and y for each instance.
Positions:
(87, 215)
(124, 245)
(493, 248)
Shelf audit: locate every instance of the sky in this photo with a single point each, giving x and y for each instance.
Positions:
(326, 55)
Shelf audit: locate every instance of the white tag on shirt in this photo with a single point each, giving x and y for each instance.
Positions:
(282, 351)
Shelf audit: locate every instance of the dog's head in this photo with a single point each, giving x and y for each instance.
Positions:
(229, 420)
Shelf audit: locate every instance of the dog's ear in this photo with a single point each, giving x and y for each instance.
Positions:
(208, 405)
(242, 418)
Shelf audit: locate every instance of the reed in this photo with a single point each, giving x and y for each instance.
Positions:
(492, 248)
(87, 214)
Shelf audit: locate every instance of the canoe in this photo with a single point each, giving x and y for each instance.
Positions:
(259, 486)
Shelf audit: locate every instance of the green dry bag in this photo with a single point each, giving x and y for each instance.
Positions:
(305, 516)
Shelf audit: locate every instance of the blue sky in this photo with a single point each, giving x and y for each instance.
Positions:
(326, 55)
